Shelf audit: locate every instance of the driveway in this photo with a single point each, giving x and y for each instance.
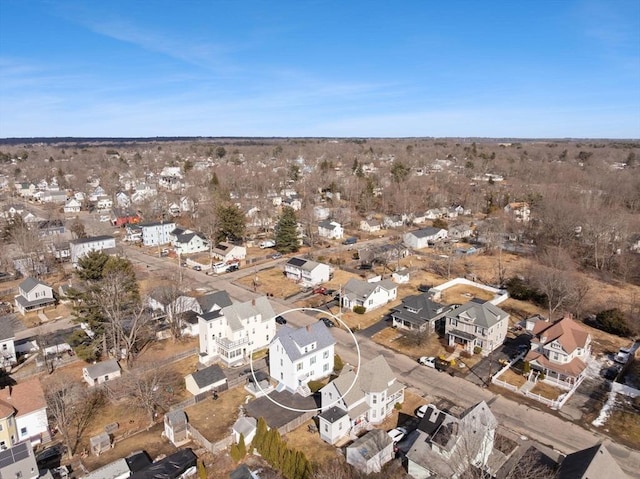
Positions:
(375, 328)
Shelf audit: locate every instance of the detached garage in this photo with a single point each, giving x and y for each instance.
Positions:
(207, 379)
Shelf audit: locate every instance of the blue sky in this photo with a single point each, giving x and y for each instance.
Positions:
(566, 68)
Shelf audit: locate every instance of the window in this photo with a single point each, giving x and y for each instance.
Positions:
(23, 431)
(374, 399)
(299, 366)
(340, 426)
(281, 362)
(373, 413)
(326, 367)
(326, 428)
(312, 360)
(325, 355)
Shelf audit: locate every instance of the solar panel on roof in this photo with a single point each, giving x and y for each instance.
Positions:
(297, 261)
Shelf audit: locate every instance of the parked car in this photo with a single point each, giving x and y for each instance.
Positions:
(422, 410)
(622, 356)
(267, 244)
(397, 434)
(424, 288)
(50, 457)
(365, 266)
(233, 267)
(327, 322)
(320, 290)
(352, 240)
(276, 256)
(330, 292)
(197, 267)
(280, 320)
(429, 361)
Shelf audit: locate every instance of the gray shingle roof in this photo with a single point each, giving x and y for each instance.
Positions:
(237, 312)
(208, 376)
(424, 308)
(485, 314)
(29, 283)
(371, 443)
(103, 368)
(374, 376)
(356, 288)
(92, 239)
(425, 232)
(214, 300)
(6, 328)
(294, 340)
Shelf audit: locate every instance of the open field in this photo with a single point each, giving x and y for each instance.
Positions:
(270, 281)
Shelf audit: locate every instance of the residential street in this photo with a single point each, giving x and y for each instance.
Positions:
(536, 424)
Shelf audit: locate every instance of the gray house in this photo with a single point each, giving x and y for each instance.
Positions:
(477, 323)
(418, 313)
(370, 452)
(19, 461)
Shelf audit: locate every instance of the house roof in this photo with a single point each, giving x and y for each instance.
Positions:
(422, 304)
(357, 288)
(170, 467)
(6, 329)
(374, 376)
(593, 462)
(208, 376)
(113, 470)
(572, 368)
(176, 417)
(92, 239)
(25, 397)
(372, 443)
(566, 331)
(241, 472)
(214, 300)
(15, 454)
(30, 283)
(333, 414)
(483, 314)
(102, 368)
(238, 312)
(328, 225)
(294, 340)
(303, 264)
(426, 232)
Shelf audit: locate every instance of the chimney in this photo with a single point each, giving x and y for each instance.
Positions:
(308, 327)
(10, 390)
(253, 302)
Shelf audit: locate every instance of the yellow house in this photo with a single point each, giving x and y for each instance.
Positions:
(8, 430)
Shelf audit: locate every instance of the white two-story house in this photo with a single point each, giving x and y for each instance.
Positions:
(232, 333)
(185, 241)
(559, 350)
(370, 295)
(297, 356)
(424, 237)
(33, 295)
(354, 401)
(81, 246)
(477, 324)
(157, 232)
(23, 414)
(330, 230)
(306, 272)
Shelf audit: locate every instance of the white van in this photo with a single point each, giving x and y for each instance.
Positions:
(267, 244)
(219, 268)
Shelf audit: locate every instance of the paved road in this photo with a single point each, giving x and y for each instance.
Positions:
(537, 424)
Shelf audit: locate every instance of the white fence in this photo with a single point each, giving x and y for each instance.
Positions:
(500, 295)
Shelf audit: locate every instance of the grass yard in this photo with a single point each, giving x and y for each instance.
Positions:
(462, 293)
(270, 281)
(547, 390)
(214, 418)
(315, 449)
(514, 378)
(396, 340)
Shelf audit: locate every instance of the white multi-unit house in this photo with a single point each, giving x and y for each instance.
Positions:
(447, 446)
(559, 350)
(232, 333)
(103, 202)
(306, 272)
(157, 232)
(422, 238)
(33, 295)
(297, 356)
(357, 400)
(171, 178)
(330, 230)
(185, 241)
(370, 295)
(7, 346)
(24, 414)
(81, 246)
(72, 206)
(520, 211)
(477, 323)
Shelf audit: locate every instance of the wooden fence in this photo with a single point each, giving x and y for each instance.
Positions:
(212, 447)
(297, 422)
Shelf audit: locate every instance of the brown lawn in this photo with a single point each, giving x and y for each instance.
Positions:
(546, 390)
(270, 281)
(395, 339)
(512, 377)
(214, 418)
(315, 449)
(462, 293)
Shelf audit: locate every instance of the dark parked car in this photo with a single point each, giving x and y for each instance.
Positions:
(327, 322)
(365, 266)
(50, 457)
(423, 288)
(233, 267)
(280, 320)
(197, 268)
(276, 256)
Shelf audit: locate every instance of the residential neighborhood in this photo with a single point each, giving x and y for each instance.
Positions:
(150, 322)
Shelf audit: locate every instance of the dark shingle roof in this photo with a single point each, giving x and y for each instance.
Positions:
(91, 239)
(217, 300)
(208, 376)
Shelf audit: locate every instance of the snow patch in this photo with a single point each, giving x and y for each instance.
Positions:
(605, 412)
(626, 390)
(594, 366)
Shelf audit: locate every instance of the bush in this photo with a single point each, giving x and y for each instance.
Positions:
(465, 354)
(450, 349)
(541, 377)
(397, 406)
(526, 367)
(519, 289)
(338, 364)
(477, 350)
(315, 386)
(235, 453)
(359, 309)
(613, 321)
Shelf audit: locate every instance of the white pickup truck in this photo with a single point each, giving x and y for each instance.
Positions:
(267, 244)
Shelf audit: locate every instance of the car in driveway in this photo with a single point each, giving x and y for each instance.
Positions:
(424, 288)
(428, 361)
(233, 267)
(280, 320)
(422, 410)
(327, 322)
(320, 290)
(197, 268)
(397, 434)
(622, 356)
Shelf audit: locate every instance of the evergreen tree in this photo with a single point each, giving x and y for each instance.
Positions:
(231, 223)
(261, 433)
(235, 453)
(202, 471)
(287, 231)
(242, 448)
